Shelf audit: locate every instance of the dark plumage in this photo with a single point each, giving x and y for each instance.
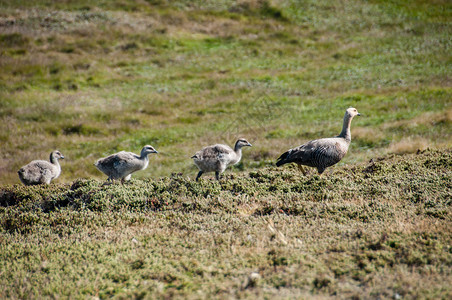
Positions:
(218, 157)
(41, 171)
(122, 164)
(321, 153)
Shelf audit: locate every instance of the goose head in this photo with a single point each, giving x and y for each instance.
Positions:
(352, 112)
(148, 149)
(56, 155)
(242, 143)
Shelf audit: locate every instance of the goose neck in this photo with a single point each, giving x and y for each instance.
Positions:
(345, 133)
(144, 156)
(54, 160)
(238, 149)
(238, 155)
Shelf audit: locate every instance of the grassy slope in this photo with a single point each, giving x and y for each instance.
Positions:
(380, 230)
(94, 77)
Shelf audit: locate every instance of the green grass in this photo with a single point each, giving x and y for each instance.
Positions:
(91, 78)
(374, 230)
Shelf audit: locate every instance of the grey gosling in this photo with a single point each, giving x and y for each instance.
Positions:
(218, 157)
(121, 165)
(322, 153)
(41, 171)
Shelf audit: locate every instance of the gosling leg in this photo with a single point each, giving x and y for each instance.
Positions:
(199, 175)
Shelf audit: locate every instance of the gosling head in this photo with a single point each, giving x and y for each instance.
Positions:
(242, 143)
(352, 112)
(148, 149)
(56, 155)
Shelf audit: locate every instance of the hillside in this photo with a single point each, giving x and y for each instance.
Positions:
(380, 229)
(91, 78)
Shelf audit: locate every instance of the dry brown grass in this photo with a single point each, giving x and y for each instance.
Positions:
(427, 118)
(409, 145)
(368, 134)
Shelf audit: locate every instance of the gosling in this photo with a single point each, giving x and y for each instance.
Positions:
(121, 165)
(41, 171)
(217, 158)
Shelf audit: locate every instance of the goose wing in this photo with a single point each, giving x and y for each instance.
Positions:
(325, 152)
(41, 167)
(118, 163)
(37, 171)
(127, 162)
(215, 152)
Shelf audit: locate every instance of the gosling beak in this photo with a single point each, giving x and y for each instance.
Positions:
(155, 151)
(62, 157)
(249, 145)
(358, 114)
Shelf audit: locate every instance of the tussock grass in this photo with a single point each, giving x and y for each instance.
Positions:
(378, 229)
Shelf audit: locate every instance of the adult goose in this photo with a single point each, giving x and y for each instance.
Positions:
(322, 153)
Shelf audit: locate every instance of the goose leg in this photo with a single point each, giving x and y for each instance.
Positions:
(109, 181)
(127, 178)
(217, 175)
(199, 175)
(300, 167)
